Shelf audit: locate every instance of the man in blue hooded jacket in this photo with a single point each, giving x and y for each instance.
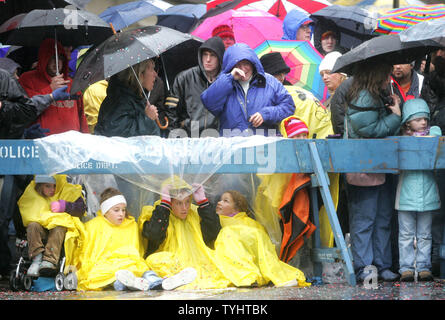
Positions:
(297, 26)
(244, 97)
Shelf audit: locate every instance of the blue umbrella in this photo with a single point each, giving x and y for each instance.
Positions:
(123, 15)
(182, 16)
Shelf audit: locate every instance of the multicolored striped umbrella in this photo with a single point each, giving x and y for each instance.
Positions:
(399, 19)
(303, 60)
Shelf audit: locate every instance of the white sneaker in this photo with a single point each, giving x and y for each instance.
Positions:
(128, 279)
(183, 277)
(33, 270)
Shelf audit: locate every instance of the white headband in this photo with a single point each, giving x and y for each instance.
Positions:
(111, 202)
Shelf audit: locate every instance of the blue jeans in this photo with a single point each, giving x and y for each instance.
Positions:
(415, 224)
(370, 210)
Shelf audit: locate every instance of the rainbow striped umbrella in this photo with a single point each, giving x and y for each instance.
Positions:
(399, 19)
(303, 60)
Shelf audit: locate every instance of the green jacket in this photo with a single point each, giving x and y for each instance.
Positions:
(122, 113)
(369, 118)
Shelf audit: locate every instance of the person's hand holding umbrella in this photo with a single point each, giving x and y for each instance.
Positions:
(395, 106)
(152, 112)
(58, 81)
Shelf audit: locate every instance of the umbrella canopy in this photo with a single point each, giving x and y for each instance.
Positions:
(427, 30)
(385, 48)
(130, 47)
(73, 27)
(354, 24)
(249, 26)
(399, 19)
(11, 8)
(303, 60)
(278, 8)
(182, 16)
(124, 15)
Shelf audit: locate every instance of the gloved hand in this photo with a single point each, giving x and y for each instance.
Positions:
(199, 194)
(165, 193)
(35, 131)
(62, 94)
(58, 206)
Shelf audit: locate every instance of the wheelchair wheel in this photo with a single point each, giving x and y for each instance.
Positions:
(14, 282)
(27, 283)
(58, 281)
(70, 281)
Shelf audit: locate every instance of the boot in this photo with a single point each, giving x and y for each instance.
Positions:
(47, 269)
(33, 270)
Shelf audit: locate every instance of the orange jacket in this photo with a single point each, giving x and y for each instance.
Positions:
(294, 213)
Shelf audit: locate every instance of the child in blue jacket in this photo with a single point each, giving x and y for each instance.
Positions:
(416, 199)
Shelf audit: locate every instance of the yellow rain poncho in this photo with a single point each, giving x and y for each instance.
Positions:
(109, 248)
(246, 255)
(184, 247)
(35, 208)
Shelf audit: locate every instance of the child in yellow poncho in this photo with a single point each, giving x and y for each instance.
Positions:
(178, 234)
(244, 251)
(50, 208)
(112, 254)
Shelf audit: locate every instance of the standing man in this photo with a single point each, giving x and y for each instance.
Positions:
(188, 86)
(297, 26)
(244, 97)
(407, 83)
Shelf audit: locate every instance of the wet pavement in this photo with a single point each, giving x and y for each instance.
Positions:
(434, 290)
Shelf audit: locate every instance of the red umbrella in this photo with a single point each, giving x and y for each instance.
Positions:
(278, 8)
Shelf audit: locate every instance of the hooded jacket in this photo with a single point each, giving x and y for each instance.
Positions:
(417, 190)
(17, 111)
(292, 22)
(188, 86)
(322, 26)
(61, 116)
(226, 99)
(122, 113)
(367, 117)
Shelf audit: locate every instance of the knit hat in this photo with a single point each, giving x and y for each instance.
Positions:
(329, 61)
(223, 31)
(273, 63)
(328, 33)
(295, 127)
(40, 178)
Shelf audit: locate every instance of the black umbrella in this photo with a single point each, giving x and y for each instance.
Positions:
(178, 51)
(385, 48)
(11, 8)
(70, 26)
(218, 9)
(354, 24)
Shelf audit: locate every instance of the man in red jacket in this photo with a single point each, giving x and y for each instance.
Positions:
(61, 116)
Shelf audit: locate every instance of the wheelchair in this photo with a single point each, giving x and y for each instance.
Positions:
(19, 280)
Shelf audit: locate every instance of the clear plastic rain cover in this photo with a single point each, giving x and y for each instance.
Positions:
(138, 166)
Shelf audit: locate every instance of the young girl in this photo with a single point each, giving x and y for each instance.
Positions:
(112, 252)
(416, 199)
(244, 251)
(50, 209)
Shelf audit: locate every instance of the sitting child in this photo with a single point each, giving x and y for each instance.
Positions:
(112, 252)
(180, 234)
(244, 251)
(46, 206)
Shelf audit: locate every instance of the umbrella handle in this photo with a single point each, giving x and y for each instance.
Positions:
(112, 28)
(160, 125)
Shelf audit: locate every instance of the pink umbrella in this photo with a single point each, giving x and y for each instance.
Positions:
(278, 8)
(252, 27)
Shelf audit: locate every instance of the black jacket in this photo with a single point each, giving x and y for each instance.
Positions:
(155, 229)
(122, 113)
(18, 111)
(338, 106)
(189, 85)
(433, 92)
